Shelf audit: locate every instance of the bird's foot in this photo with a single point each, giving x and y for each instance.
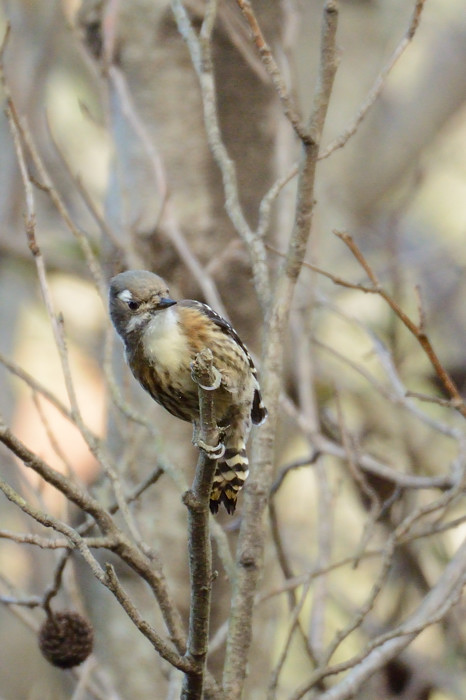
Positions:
(213, 451)
(217, 381)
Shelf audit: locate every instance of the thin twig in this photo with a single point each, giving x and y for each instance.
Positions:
(39, 388)
(269, 198)
(73, 492)
(290, 109)
(167, 652)
(48, 520)
(442, 597)
(360, 479)
(46, 543)
(400, 532)
(417, 330)
(296, 464)
(293, 624)
(378, 85)
(366, 461)
(150, 570)
(104, 227)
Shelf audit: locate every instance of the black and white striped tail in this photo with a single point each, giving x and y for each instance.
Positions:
(230, 475)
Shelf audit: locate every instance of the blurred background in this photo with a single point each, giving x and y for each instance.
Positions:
(111, 101)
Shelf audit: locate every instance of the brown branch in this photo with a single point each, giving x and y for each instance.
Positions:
(73, 492)
(290, 109)
(334, 278)
(48, 520)
(150, 570)
(165, 651)
(398, 395)
(417, 330)
(200, 554)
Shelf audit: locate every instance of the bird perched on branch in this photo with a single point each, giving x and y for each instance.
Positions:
(162, 337)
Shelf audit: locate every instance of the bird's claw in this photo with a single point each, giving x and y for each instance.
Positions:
(217, 381)
(213, 451)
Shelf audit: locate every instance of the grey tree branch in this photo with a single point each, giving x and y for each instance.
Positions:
(251, 540)
(165, 651)
(443, 596)
(150, 570)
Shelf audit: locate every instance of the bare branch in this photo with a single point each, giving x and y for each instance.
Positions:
(76, 494)
(290, 109)
(367, 462)
(165, 651)
(251, 540)
(442, 597)
(50, 521)
(416, 330)
(200, 554)
(378, 85)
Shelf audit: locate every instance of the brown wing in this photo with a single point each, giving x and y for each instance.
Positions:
(258, 410)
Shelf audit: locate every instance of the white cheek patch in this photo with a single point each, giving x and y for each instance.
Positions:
(125, 295)
(134, 322)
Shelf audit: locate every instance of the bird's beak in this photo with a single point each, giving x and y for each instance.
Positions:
(165, 302)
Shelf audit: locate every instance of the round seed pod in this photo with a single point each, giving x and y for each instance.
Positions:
(66, 639)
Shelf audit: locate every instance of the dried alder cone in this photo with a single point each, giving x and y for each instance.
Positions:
(162, 337)
(66, 639)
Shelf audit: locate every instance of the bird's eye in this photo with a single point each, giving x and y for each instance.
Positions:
(133, 305)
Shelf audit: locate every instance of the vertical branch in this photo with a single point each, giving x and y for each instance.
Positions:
(200, 552)
(251, 538)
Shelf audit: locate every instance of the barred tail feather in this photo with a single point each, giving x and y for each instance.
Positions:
(231, 473)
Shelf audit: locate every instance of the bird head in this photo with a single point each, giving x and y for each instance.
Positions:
(135, 297)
